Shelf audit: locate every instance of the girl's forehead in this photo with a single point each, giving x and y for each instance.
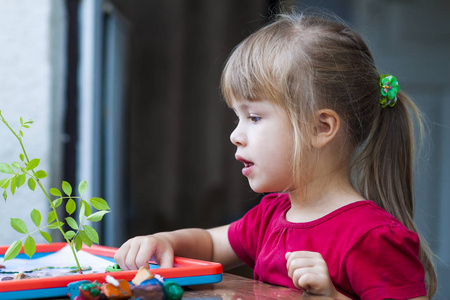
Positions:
(245, 103)
(260, 105)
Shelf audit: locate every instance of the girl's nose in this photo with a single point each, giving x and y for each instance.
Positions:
(237, 137)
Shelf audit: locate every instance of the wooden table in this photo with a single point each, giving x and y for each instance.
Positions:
(234, 287)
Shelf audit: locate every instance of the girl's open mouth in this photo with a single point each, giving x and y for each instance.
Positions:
(248, 165)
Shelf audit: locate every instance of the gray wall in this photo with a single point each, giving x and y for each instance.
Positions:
(32, 63)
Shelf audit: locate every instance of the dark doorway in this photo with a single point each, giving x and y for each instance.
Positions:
(180, 162)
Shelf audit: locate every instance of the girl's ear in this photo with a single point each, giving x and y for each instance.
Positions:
(327, 124)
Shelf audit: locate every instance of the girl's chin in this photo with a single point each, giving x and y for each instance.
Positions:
(263, 189)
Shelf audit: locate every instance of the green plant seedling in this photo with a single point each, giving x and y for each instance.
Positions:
(26, 171)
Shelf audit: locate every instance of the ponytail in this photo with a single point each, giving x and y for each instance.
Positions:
(384, 170)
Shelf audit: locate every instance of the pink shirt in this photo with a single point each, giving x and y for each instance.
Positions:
(369, 253)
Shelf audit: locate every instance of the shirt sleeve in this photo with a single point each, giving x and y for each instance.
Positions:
(384, 263)
(241, 235)
(246, 235)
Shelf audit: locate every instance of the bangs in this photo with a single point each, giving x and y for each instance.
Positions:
(256, 71)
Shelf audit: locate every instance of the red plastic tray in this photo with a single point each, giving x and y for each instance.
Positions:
(185, 272)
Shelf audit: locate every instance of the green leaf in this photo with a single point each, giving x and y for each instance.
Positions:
(29, 247)
(13, 250)
(31, 184)
(67, 188)
(51, 216)
(71, 206)
(96, 217)
(55, 192)
(15, 165)
(99, 203)
(4, 182)
(5, 195)
(87, 207)
(21, 180)
(21, 121)
(57, 202)
(46, 236)
(91, 233)
(21, 133)
(36, 217)
(5, 168)
(55, 225)
(33, 164)
(40, 174)
(86, 240)
(72, 223)
(22, 157)
(19, 225)
(70, 234)
(13, 184)
(82, 188)
(78, 243)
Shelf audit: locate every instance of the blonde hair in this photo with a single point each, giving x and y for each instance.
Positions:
(305, 63)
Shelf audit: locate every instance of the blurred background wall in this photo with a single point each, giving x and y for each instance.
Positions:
(32, 86)
(125, 94)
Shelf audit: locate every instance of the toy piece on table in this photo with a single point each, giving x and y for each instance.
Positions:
(20, 275)
(89, 291)
(146, 286)
(113, 268)
(172, 290)
(142, 275)
(7, 278)
(116, 289)
(74, 288)
(147, 292)
(16, 276)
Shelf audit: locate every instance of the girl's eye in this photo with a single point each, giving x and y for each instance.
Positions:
(254, 119)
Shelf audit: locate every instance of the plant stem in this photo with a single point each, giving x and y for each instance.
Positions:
(57, 220)
(45, 193)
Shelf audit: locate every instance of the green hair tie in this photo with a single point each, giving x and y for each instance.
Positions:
(389, 89)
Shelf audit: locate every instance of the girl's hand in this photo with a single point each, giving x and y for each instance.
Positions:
(136, 252)
(309, 272)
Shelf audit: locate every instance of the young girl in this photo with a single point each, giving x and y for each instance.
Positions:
(332, 139)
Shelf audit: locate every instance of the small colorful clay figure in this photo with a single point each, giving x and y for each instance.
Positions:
(147, 292)
(142, 275)
(113, 268)
(74, 288)
(172, 290)
(116, 289)
(89, 291)
(145, 286)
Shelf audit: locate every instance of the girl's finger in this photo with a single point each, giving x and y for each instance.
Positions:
(303, 278)
(120, 255)
(130, 259)
(302, 254)
(146, 251)
(165, 259)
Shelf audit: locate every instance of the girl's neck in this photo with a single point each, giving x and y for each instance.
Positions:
(320, 197)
